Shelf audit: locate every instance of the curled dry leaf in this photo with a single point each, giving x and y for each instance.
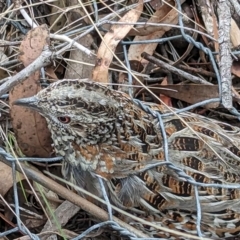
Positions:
(110, 42)
(31, 130)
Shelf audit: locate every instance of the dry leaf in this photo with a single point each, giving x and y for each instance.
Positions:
(164, 98)
(235, 34)
(110, 42)
(80, 65)
(30, 128)
(57, 19)
(236, 69)
(156, 4)
(63, 213)
(6, 181)
(3, 59)
(76, 13)
(190, 93)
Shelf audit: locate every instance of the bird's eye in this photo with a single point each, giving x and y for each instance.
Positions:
(64, 119)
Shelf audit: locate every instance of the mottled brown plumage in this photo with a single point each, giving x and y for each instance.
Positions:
(101, 132)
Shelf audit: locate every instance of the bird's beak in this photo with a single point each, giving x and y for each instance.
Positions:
(30, 102)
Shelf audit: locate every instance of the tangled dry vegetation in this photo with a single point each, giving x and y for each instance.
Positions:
(171, 51)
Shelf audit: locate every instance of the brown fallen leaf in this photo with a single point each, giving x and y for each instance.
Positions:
(235, 34)
(31, 130)
(190, 93)
(63, 213)
(156, 4)
(6, 180)
(80, 65)
(110, 42)
(236, 68)
(166, 99)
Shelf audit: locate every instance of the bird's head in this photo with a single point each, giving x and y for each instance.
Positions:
(82, 105)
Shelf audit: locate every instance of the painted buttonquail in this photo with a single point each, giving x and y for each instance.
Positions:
(102, 132)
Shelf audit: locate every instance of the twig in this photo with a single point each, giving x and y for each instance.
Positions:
(197, 71)
(225, 63)
(236, 6)
(174, 70)
(72, 197)
(56, 36)
(43, 60)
